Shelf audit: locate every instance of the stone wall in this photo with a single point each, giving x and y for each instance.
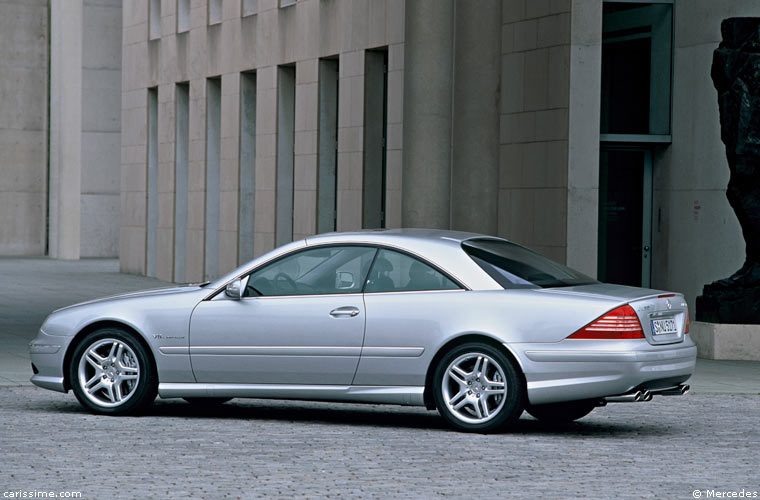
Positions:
(23, 126)
(535, 83)
(298, 34)
(101, 128)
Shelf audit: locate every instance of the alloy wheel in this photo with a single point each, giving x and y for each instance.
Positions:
(109, 372)
(474, 388)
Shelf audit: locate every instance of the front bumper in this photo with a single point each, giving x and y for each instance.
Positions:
(589, 369)
(47, 353)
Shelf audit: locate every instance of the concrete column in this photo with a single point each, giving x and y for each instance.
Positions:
(65, 128)
(428, 58)
(475, 164)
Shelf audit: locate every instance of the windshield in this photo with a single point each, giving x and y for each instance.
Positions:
(513, 266)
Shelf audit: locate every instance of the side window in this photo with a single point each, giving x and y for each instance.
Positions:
(315, 271)
(397, 272)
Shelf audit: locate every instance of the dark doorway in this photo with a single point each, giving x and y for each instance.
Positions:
(625, 214)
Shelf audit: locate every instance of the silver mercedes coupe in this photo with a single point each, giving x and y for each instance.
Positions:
(475, 326)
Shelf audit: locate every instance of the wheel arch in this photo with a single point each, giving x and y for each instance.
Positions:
(97, 325)
(463, 339)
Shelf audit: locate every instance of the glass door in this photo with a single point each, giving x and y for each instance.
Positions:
(625, 216)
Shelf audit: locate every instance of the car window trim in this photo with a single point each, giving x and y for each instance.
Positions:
(376, 246)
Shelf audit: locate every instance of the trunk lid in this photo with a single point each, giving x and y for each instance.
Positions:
(662, 314)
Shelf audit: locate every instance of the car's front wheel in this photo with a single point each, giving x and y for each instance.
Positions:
(111, 373)
(477, 388)
(558, 413)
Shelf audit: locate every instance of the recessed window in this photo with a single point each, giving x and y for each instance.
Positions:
(327, 200)
(213, 156)
(286, 3)
(152, 175)
(250, 7)
(375, 127)
(247, 166)
(182, 142)
(183, 16)
(214, 11)
(154, 19)
(636, 67)
(286, 116)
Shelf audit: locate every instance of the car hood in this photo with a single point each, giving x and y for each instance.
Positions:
(605, 291)
(142, 293)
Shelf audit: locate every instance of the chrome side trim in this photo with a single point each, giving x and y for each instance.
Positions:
(392, 352)
(376, 352)
(174, 350)
(400, 395)
(276, 350)
(52, 383)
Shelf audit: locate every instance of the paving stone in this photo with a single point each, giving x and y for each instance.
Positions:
(663, 449)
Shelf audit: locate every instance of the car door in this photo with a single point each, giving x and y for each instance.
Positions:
(300, 321)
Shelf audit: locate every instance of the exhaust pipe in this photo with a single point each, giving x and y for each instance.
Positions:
(632, 397)
(678, 390)
(642, 395)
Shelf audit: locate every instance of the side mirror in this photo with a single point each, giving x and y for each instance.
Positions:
(235, 289)
(344, 280)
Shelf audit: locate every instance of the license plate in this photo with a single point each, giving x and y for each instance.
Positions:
(664, 326)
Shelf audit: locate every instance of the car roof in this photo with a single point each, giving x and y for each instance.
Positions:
(405, 236)
(438, 246)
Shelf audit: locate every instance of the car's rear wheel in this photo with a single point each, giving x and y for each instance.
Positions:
(558, 413)
(207, 401)
(477, 388)
(111, 373)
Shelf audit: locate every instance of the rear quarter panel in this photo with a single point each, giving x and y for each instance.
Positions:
(432, 319)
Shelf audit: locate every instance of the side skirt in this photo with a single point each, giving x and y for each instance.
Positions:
(398, 395)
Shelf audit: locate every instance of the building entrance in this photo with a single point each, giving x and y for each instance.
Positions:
(625, 216)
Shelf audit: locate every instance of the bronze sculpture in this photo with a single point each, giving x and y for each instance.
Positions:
(736, 76)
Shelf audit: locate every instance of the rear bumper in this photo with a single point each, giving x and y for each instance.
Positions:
(588, 369)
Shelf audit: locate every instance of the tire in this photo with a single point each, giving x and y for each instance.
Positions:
(559, 413)
(476, 388)
(207, 401)
(111, 373)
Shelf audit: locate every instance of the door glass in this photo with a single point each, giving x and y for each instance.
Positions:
(636, 67)
(397, 272)
(621, 217)
(316, 271)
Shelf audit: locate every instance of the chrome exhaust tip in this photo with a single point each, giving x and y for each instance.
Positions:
(678, 390)
(631, 397)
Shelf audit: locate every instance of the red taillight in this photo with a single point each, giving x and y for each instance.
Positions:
(688, 322)
(620, 323)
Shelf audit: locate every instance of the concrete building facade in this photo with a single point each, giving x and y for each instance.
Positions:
(60, 127)
(586, 130)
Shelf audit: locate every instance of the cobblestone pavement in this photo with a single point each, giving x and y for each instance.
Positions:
(665, 449)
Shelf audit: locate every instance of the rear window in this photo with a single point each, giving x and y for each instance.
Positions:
(513, 266)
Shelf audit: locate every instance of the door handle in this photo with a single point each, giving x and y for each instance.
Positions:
(340, 312)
